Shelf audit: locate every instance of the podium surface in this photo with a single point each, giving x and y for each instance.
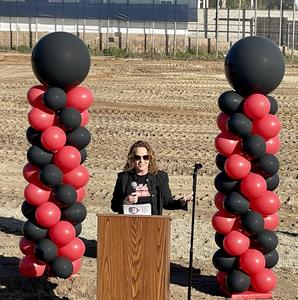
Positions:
(133, 257)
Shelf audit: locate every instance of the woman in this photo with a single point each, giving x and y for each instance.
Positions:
(141, 182)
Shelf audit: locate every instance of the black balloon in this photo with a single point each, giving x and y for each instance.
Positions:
(33, 136)
(254, 145)
(219, 237)
(237, 281)
(60, 59)
(266, 241)
(65, 194)
(223, 261)
(271, 259)
(239, 124)
(70, 118)
(273, 105)
(50, 175)
(78, 228)
(235, 203)
(61, 267)
(83, 153)
(39, 157)
(79, 138)
(253, 222)
(272, 182)
(28, 211)
(224, 184)
(266, 165)
(254, 65)
(229, 102)
(74, 214)
(45, 250)
(34, 232)
(54, 98)
(220, 161)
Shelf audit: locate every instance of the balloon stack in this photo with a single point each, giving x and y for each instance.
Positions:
(55, 172)
(249, 139)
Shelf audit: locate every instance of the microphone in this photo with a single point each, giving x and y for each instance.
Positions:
(134, 186)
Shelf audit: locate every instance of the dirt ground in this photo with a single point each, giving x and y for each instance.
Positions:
(173, 105)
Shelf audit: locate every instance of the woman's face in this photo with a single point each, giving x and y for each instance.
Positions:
(141, 159)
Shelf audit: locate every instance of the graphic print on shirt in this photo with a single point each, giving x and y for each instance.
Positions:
(143, 193)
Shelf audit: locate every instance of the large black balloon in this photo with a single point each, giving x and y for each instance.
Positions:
(266, 165)
(273, 105)
(54, 98)
(65, 194)
(253, 222)
(223, 261)
(50, 175)
(229, 102)
(239, 124)
(28, 211)
(271, 259)
(237, 281)
(266, 241)
(254, 145)
(39, 157)
(220, 161)
(272, 182)
(224, 184)
(45, 250)
(34, 232)
(235, 203)
(61, 267)
(83, 153)
(75, 213)
(219, 237)
(60, 59)
(33, 136)
(254, 65)
(70, 118)
(79, 138)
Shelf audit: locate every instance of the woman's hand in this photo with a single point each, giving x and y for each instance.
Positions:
(131, 199)
(186, 198)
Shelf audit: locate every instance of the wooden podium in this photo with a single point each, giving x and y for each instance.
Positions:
(133, 257)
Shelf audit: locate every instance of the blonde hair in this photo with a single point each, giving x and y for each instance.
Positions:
(130, 163)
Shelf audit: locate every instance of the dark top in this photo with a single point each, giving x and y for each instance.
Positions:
(158, 193)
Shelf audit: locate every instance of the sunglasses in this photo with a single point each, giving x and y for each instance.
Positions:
(139, 157)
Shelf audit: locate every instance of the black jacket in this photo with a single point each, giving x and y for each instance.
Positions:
(158, 186)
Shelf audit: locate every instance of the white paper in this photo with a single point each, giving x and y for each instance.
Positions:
(137, 209)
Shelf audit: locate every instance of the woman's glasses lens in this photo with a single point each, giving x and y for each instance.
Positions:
(138, 157)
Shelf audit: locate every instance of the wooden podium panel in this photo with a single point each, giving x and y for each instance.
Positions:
(133, 257)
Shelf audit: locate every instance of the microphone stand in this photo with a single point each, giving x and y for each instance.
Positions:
(197, 166)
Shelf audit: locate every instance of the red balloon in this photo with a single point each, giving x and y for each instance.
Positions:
(81, 193)
(218, 200)
(267, 204)
(256, 106)
(79, 98)
(236, 243)
(221, 122)
(263, 281)
(273, 145)
(77, 177)
(36, 195)
(220, 278)
(29, 267)
(26, 246)
(67, 158)
(76, 266)
(267, 127)
(226, 143)
(253, 185)
(252, 261)
(223, 222)
(85, 117)
(53, 138)
(30, 172)
(47, 214)
(271, 222)
(40, 119)
(237, 167)
(35, 95)
(74, 250)
(62, 233)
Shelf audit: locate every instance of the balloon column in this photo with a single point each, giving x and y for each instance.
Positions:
(55, 172)
(247, 144)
